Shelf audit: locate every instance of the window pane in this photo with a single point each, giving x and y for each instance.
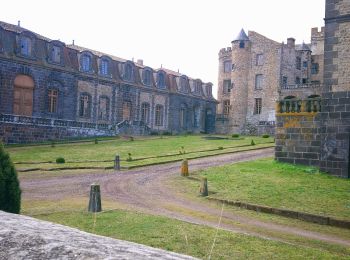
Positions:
(227, 66)
(258, 81)
(258, 106)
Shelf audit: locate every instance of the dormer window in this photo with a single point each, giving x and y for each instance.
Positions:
(161, 80)
(85, 63)
(197, 87)
(147, 75)
(241, 44)
(183, 84)
(56, 54)
(104, 67)
(26, 46)
(128, 72)
(208, 88)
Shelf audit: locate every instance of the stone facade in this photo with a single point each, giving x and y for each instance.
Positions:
(316, 131)
(256, 72)
(48, 79)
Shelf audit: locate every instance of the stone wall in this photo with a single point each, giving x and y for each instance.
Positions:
(11, 133)
(334, 131)
(319, 139)
(28, 238)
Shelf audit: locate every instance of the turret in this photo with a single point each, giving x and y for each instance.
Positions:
(241, 56)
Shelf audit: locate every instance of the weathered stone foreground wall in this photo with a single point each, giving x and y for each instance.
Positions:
(319, 139)
(23, 237)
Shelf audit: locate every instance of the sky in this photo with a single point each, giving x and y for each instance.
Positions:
(184, 35)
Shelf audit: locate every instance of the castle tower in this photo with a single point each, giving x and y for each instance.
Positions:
(241, 56)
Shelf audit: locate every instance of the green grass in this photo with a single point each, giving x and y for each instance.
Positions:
(77, 154)
(280, 185)
(182, 237)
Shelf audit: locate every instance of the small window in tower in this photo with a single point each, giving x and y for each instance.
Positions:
(227, 86)
(227, 66)
(226, 108)
(284, 81)
(258, 81)
(297, 80)
(304, 81)
(305, 64)
(259, 60)
(258, 106)
(314, 68)
(241, 44)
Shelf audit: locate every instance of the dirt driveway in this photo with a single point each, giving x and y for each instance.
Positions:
(146, 189)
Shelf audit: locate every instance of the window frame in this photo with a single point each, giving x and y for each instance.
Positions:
(229, 86)
(147, 81)
(159, 115)
(86, 62)
(99, 116)
(85, 112)
(258, 106)
(52, 107)
(226, 107)
(105, 64)
(145, 112)
(161, 84)
(259, 59)
(227, 66)
(259, 81)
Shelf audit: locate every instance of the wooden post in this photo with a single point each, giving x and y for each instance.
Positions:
(117, 162)
(204, 187)
(95, 198)
(184, 168)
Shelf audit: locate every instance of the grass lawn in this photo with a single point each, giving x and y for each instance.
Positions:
(280, 185)
(182, 237)
(78, 154)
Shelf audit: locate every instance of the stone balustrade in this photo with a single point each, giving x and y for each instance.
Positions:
(309, 105)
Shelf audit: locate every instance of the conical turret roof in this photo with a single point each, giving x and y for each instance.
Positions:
(242, 36)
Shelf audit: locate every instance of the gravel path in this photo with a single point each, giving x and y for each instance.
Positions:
(143, 189)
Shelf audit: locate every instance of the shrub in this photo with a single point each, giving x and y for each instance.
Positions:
(221, 148)
(131, 138)
(60, 160)
(10, 192)
(129, 159)
(52, 143)
(96, 141)
(235, 135)
(252, 142)
(153, 133)
(167, 133)
(182, 151)
(265, 136)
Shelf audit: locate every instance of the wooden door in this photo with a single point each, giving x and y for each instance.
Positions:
(23, 95)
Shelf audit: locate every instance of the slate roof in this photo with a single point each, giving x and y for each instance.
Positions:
(19, 29)
(242, 36)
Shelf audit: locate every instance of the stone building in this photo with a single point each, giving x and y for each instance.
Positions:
(50, 90)
(316, 131)
(256, 71)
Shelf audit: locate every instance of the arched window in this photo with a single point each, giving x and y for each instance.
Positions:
(104, 67)
(197, 87)
(161, 80)
(52, 100)
(145, 111)
(25, 45)
(86, 63)
(23, 95)
(85, 105)
(128, 72)
(183, 84)
(159, 115)
(147, 77)
(103, 108)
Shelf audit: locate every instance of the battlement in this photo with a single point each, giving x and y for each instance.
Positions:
(316, 33)
(225, 51)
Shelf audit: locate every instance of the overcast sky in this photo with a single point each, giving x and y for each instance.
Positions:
(180, 34)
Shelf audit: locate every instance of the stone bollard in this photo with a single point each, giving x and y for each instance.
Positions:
(95, 198)
(117, 162)
(204, 187)
(184, 168)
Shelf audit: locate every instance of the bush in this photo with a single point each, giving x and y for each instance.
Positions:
(153, 133)
(129, 159)
(265, 136)
(235, 135)
(96, 141)
(60, 160)
(221, 148)
(252, 142)
(131, 138)
(167, 133)
(52, 143)
(10, 192)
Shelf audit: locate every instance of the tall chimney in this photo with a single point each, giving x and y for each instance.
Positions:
(291, 42)
(19, 23)
(140, 62)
